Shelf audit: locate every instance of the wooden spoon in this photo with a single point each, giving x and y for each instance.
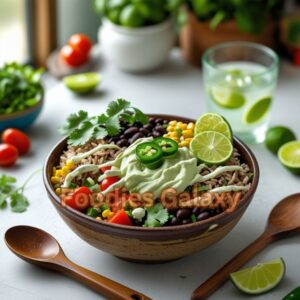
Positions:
(284, 220)
(39, 247)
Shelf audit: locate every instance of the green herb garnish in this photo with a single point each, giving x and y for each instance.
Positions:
(156, 216)
(8, 191)
(20, 87)
(193, 218)
(80, 128)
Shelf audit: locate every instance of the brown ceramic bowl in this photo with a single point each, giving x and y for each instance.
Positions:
(151, 244)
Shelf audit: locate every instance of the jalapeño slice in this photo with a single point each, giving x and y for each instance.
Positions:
(168, 146)
(150, 155)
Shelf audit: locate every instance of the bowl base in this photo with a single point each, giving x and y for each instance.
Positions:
(147, 262)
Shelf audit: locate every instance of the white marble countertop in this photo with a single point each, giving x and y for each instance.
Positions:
(176, 89)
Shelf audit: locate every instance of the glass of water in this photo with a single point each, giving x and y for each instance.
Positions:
(240, 79)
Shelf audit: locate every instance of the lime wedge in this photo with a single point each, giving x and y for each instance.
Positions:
(258, 110)
(260, 278)
(289, 156)
(211, 147)
(213, 122)
(82, 83)
(227, 98)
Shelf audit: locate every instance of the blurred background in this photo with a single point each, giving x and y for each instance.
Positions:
(30, 29)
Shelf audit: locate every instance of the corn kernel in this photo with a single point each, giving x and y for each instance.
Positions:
(183, 126)
(175, 139)
(187, 133)
(183, 144)
(106, 213)
(167, 135)
(179, 124)
(71, 165)
(98, 219)
(58, 191)
(191, 126)
(173, 123)
(55, 179)
(182, 139)
(65, 171)
(188, 140)
(173, 134)
(170, 128)
(58, 173)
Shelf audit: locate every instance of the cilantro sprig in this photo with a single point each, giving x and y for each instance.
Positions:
(81, 128)
(156, 216)
(8, 191)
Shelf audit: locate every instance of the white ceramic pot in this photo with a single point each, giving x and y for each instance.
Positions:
(136, 49)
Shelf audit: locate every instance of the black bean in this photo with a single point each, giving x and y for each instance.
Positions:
(110, 140)
(165, 122)
(159, 128)
(144, 131)
(172, 211)
(131, 131)
(183, 213)
(152, 120)
(122, 136)
(122, 143)
(135, 137)
(148, 126)
(156, 133)
(202, 216)
(196, 211)
(159, 121)
(186, 221)
(174, 221)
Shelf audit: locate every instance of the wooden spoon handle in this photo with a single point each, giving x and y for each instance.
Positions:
(105, 286)
(221, 276)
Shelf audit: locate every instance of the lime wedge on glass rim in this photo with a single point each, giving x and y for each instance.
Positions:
(82, 83)
(289, 156)
(261, 278)
(211, 147)
(213, 122)
(227, 98)
(258, 110)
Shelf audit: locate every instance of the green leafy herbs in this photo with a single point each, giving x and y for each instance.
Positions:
(20, 87)
(80, 128)
(15, 195)
(156, 216)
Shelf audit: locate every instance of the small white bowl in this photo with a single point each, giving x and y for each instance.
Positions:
(137, 49)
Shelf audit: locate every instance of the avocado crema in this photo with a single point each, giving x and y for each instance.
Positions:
(176, 172)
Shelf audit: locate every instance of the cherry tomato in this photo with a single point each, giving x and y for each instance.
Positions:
(18, 139)
(80, 199)
(81, 42)
(121, 218)
(73, 56)
(104, 169)
(107, 182)
(8, 155)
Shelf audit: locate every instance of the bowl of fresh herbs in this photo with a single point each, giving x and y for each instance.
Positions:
(21, 95)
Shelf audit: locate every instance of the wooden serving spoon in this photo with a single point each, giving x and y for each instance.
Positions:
(284, 220)
(39, 247)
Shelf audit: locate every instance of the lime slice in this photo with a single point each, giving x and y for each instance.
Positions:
(227, 98)
(211, 147)
(213, 122)
(258, 110)
(82, 83)
(260, 278)
(131, 16)
(278, 136)
(289, 156)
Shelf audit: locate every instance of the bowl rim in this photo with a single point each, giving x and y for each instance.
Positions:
(218, 219)
(14, 115)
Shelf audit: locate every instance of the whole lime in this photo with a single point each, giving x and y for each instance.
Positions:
(278, 136)
(131, 16)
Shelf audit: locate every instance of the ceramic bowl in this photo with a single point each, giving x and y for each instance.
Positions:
(151, 245)
(22, 119)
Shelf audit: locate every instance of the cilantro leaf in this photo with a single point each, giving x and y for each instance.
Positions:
(6, 183)
(19, 202)
(156, 216)
(99, 133)
(3, 201)
(73, 121)
(113, 125)
(116, 107)
(82, 134)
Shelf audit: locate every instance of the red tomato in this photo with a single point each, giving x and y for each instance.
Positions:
(104, 169)
(80, 42)
(72, 56)
(80, 199)
(16, 138)
(121, 218)
(8, 155)
(107, 182)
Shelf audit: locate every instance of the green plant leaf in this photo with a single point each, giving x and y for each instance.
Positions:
(73, 121)
(19, 202)
(156, 216)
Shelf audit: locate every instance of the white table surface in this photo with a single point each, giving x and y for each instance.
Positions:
(176, 89)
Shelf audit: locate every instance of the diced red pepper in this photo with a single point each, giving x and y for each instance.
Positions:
(107, 182)
(104, 169)
(121, 218)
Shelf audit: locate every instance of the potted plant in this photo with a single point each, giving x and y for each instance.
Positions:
(210, 22)
(136, 35)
